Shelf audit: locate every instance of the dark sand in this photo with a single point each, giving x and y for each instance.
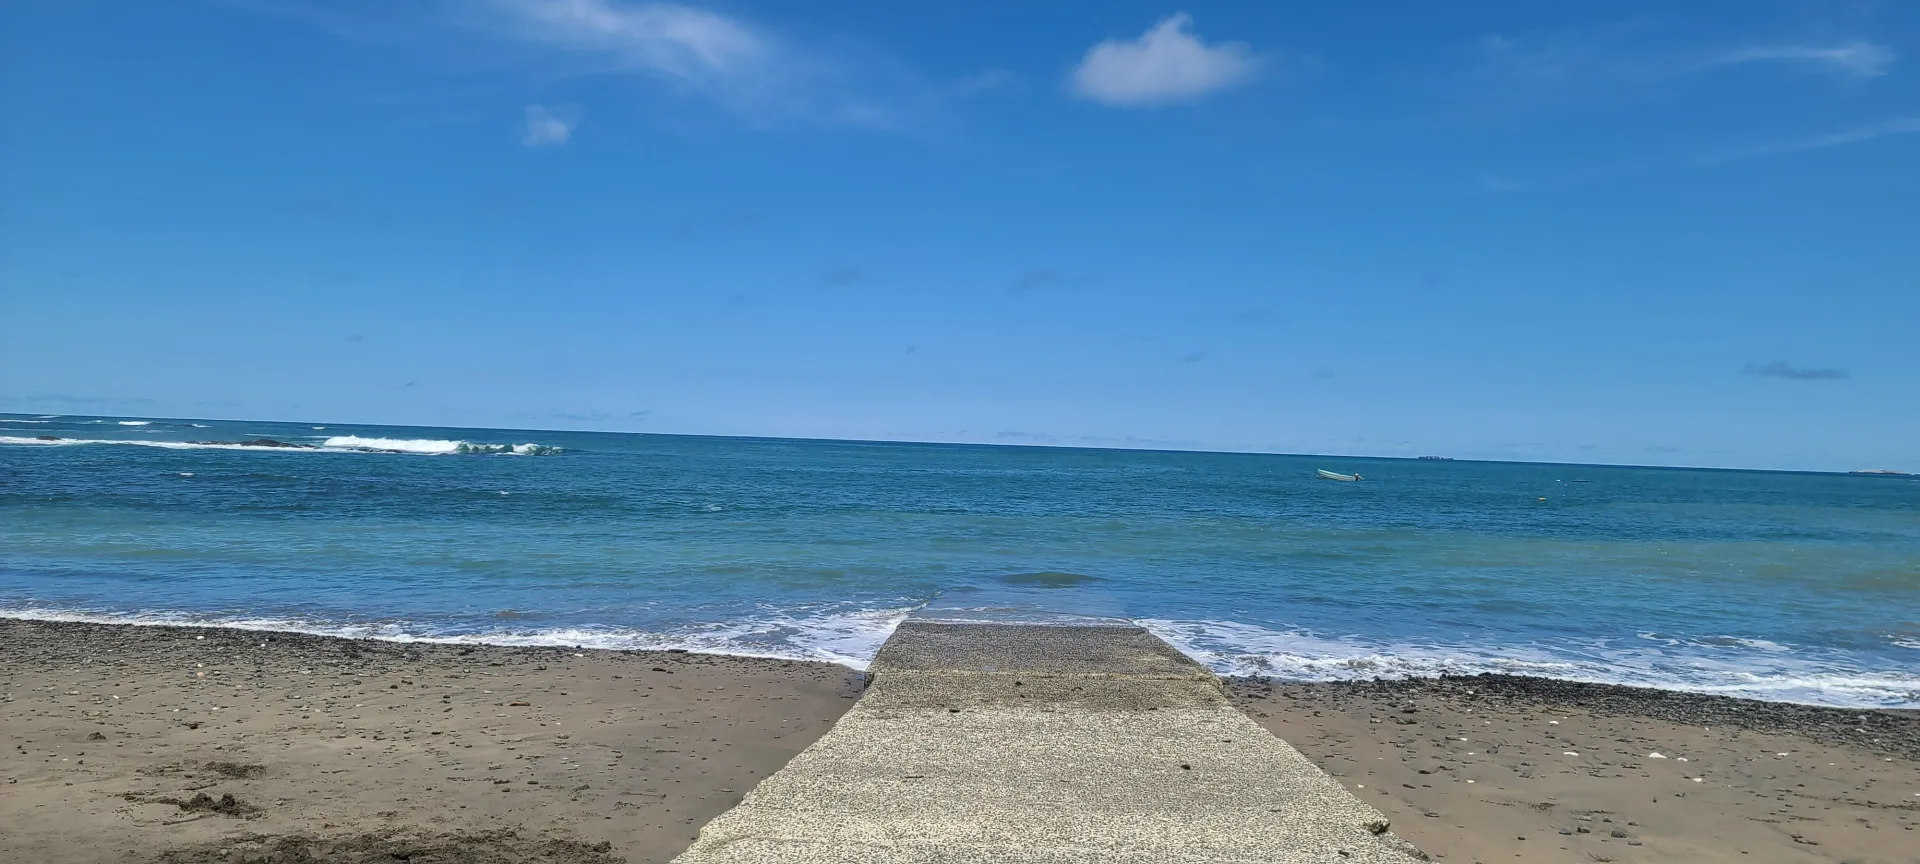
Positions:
(123, 744)
(192, 746)
(1498, 768)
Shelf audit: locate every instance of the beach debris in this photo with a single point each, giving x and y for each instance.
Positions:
(1569, 753)
(519, 704)
(201, 802)
(1378, 826)
(1656, 755)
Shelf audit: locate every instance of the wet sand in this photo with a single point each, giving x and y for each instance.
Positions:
(1498, 768)
(167, 744)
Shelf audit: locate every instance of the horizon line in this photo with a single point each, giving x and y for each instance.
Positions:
(1040, 446)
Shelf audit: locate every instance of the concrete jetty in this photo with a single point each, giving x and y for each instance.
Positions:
(985, 742)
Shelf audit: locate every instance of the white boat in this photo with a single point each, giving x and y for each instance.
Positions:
(1346, 478)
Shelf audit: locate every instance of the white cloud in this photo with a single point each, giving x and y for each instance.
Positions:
(548, 127)
(1858, 59)
(1166, 64)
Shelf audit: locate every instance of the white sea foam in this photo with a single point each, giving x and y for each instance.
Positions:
(340, 444)
(405, 445)
(1765, 670)
(849, 637)
(1913, 643)
(434, 447)
(25, 421)
(136, 422)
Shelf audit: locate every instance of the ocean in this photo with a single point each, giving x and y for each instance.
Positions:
(1787, 586)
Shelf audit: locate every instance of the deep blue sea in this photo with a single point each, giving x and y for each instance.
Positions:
(1801, 587)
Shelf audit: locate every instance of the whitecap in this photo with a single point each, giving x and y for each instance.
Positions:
(435, 447)
(135, 422)
(347, 444)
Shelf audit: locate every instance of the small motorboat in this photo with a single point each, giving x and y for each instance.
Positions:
(1344, 478)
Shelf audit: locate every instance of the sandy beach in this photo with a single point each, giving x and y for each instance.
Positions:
(361, 751)
(188, 745)
(1499, 768)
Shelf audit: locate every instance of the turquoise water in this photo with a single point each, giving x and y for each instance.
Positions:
(1802, 587)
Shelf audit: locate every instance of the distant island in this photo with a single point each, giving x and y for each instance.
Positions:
(1882, 472)
(1437, 458)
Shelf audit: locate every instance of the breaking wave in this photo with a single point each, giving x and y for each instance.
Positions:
(830, 634)
(434, 447)
(1760, 671)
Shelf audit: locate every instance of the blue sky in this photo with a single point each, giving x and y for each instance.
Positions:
(1624, 232)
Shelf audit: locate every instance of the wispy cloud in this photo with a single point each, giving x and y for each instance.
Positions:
(1859, 59)
(701, 49)
(1616, 61)
(548, 127)
(1167, 64)
(757, 74)
(693, 51)
(1897, 126)
(1783, 369)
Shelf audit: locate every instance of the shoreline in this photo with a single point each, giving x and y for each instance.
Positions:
(125, 740)
(1622, 695)
(1891, 731)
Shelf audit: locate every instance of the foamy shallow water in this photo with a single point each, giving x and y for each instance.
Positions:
(1780, 586)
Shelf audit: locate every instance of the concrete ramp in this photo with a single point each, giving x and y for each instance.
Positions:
(991, 743)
